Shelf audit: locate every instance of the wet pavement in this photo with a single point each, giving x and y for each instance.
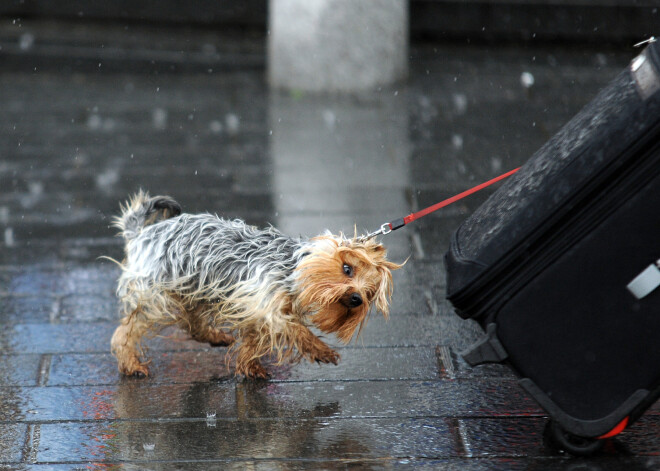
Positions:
(79, 135)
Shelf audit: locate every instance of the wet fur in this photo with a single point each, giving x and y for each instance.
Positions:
(228, 283)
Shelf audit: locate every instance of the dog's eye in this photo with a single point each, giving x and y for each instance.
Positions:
(348, 270)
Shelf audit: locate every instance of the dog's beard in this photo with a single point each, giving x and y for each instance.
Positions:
(341, 320)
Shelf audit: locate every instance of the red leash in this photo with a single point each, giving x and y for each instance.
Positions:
(398, 223)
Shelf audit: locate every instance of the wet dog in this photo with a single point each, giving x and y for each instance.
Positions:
(229, 283)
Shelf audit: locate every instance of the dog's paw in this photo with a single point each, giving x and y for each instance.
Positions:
(138, 370)
(256, 371)
(221, 339)
(326, 356)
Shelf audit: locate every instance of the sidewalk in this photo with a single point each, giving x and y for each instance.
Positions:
(79, 135)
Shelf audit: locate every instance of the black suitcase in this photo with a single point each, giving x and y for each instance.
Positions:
(559, 265)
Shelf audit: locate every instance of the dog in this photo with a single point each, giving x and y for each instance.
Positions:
(228, 283)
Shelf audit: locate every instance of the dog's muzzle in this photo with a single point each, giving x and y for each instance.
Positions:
(352, 300)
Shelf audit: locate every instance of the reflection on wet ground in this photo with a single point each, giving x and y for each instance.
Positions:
(77, 142)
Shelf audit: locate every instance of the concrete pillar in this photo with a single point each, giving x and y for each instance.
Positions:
(337, 45)
(339, 163)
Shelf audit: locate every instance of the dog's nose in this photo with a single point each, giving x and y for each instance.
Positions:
(355, 300)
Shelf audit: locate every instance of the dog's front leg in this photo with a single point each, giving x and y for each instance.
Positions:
(311, 347)
(248, 358)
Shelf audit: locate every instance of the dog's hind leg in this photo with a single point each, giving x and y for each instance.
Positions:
(214, 336)
(201, 329)
(125, 346)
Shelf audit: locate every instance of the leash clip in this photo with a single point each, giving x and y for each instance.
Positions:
(383, 230)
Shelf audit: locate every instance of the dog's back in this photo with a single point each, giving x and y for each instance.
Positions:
(142, 210)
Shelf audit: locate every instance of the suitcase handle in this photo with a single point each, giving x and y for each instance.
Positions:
(646, 282)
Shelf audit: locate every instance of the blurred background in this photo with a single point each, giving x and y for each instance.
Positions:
(370, 104)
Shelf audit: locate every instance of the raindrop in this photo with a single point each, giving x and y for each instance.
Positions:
(460, 103)
(107, 179)
(601, 59)
(211, 420)
(496, 164)
(457, 141)
(209, 48)
(94, 122)
(526, 79)
(9, 237)
(26, 41)
(233, 123)
(330, 119)
(4, 214)
(108, 124)
(215, 126)
(36, 188)
(159, 118)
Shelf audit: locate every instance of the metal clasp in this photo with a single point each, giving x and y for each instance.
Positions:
(384, 230)
(650, 40)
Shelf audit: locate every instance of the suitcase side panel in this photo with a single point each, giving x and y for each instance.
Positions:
(585, 341)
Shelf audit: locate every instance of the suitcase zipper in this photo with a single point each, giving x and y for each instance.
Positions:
(489, 291)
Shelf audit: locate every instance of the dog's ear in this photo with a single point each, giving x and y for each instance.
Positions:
(384, 291)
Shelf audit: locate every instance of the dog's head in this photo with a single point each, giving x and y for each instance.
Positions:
(340, 279)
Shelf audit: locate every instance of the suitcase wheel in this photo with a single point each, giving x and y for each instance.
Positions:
(573, 444)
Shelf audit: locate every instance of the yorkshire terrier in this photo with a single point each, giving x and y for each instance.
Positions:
(232, 284)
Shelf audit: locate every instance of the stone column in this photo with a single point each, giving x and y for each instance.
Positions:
(337, 45)
(338, 163)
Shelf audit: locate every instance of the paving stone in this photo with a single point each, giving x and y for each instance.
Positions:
(32, 280)
(26, 309)
(90, 337)
(503, 437)
(412, 329)
(205, 440)
(199, 366)
(126, 400)
(642, 438)
(451, 464)
(361, 363)
(57, 338)
(12, 438)
(19, 370)
(387, 399)
(89, 308)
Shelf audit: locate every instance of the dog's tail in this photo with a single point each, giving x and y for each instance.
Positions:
(142, 210)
